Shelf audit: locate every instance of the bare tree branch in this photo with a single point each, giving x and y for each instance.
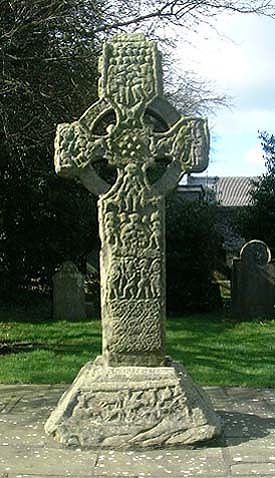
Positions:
(180, 11)
(193, 95)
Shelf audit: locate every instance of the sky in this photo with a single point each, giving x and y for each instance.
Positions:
(240, 60)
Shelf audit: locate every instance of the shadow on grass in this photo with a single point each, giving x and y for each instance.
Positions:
(206, 370)
(38, 311)
(207, 344)
(210, 365)
(32, 315)
(18, 347)
(201, 323)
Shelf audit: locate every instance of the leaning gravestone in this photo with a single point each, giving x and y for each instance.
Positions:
(68, 293)
(253, 282)
(132, 395)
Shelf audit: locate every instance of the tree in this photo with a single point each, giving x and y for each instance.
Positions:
(193, 248)
(49, 51)
(186, 14)
(258, 220)
(192, 95)
(49, 74)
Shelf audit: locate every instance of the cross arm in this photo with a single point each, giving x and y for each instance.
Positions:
(187, 143)
(76, 148)
(74, 153)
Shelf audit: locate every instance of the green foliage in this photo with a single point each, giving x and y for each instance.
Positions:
(193, 248)
(49, 75)
(258, 220)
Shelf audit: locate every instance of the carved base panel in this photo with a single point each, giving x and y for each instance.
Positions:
(134, 333)
(133, 407)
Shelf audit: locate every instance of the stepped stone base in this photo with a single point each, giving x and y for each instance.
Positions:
(124, 407)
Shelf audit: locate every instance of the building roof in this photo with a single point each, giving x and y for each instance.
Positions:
(234, 191)
(228, 191)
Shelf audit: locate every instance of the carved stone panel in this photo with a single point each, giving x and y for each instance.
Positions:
(133, 407)
(132, 271)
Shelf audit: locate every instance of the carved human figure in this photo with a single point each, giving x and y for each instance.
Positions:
(143, 285)
(114, 280)
(155, 278)
(111, 226)
(132, 188)
(129, 290)
(156, 236)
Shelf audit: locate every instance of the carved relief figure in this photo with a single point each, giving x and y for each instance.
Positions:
(111, 229)
(156, 231)
(155, 278)
(114, 280)
(131, 405)
(143, 285)
(129, 290)
(132, 188)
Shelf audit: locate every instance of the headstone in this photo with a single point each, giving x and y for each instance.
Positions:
(68, 293)
(132, 395)
(253, 282)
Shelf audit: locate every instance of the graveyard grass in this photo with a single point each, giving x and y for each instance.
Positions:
(215, 349)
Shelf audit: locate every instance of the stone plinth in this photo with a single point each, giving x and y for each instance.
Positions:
(124, 407)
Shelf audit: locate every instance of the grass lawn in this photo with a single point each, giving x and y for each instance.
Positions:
(216, 350)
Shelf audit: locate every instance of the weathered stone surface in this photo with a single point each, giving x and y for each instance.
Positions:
(132, 396)
(131, 211)
(68, 293)
(253, 281)
(113, 407)
(201, 462)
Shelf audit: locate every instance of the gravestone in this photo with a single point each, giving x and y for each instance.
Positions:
(132, 395)
(253, 282)
(68, 293)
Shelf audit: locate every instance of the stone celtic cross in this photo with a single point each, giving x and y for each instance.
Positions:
(131, 211)
(132, 395)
